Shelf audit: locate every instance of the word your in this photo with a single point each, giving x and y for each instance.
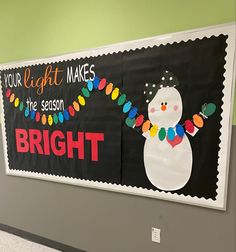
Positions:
(50, 77)
(56, 142)
(12, 80)
(80, 73)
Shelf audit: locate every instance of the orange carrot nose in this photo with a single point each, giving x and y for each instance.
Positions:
(163, 107)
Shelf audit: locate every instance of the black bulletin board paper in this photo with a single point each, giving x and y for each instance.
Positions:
(63, 118)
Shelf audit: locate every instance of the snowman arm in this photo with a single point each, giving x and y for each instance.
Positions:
(207, 110)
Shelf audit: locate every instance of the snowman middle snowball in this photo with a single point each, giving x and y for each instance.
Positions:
(168, 163)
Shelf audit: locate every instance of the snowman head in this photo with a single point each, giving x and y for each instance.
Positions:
(164, 101)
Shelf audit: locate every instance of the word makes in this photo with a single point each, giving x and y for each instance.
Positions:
(80, 73)
(12, 80)
(58, 143)
(50, 77)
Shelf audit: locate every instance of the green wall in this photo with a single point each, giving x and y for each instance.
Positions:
(33, 29)
(96, 220)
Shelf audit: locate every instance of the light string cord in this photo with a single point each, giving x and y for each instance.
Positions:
(86, 90)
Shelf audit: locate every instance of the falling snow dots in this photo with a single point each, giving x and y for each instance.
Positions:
(127, 107)
(115, 94)
(81, 100)
(109, 88)
(168, 79)
(150, 91)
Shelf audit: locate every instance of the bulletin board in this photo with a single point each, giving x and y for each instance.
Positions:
(150, 117)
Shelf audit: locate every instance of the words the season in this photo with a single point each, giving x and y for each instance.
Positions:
(56, 142)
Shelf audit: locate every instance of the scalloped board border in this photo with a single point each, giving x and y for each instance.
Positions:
(227, 107)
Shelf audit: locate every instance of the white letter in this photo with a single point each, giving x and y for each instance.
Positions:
(70, 75)
(92, 72)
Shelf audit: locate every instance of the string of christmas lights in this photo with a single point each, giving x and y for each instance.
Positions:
(133, 119)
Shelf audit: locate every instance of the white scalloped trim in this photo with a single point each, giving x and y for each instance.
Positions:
(227, 107)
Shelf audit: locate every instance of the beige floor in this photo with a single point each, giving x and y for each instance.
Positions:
(12, 243)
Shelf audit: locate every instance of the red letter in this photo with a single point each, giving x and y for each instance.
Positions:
(22, 144)
(79, 144)
(35, 139)
(61, 150)
(94, 138)
(46, 142)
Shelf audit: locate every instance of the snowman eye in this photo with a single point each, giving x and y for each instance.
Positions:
(162, 103)
(165, 103)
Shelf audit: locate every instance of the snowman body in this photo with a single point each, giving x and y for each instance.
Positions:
(168, 163)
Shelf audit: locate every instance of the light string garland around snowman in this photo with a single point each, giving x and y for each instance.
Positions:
(134, 119)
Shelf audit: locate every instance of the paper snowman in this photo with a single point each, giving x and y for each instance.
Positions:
(168, 162)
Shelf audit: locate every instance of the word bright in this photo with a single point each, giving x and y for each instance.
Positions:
(56, 142)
